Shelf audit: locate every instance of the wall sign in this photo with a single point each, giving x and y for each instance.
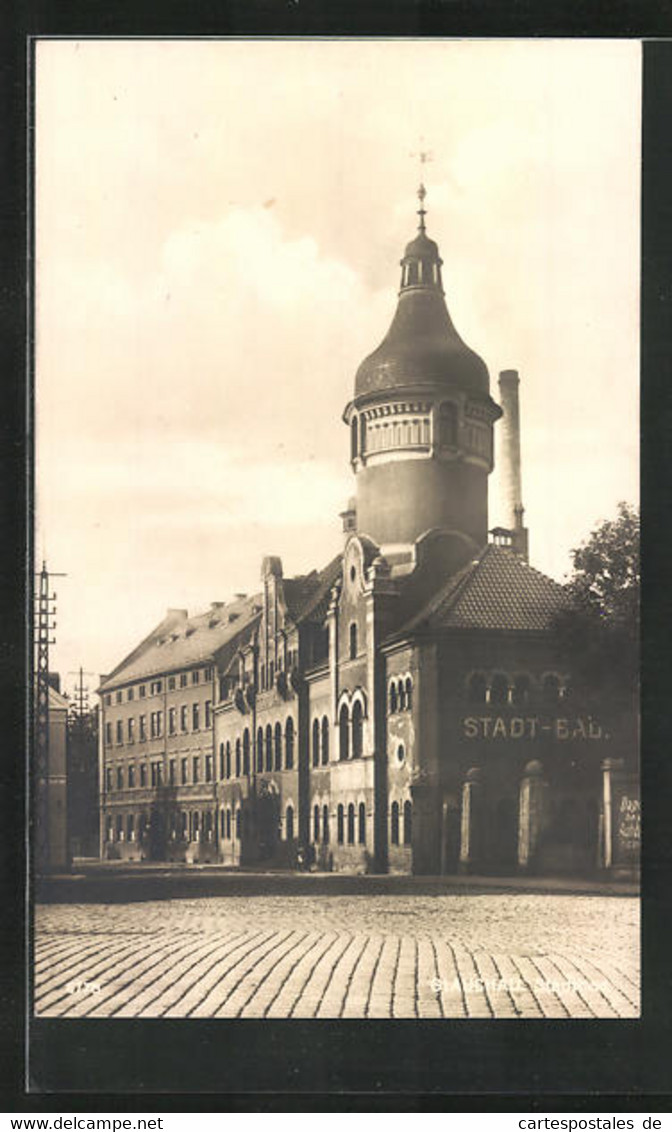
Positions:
(532, 727)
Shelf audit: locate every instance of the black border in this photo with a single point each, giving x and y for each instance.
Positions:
(399, 1066)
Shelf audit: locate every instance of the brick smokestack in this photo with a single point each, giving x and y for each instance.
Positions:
(510, 470)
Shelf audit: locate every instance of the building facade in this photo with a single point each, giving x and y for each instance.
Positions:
(403, 708)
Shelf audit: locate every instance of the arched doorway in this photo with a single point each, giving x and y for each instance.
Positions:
(504, 849)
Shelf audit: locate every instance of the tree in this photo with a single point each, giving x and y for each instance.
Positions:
(598, 634)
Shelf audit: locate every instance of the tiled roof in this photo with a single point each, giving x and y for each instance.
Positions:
(497, 590)
(307, 597)
(180, 641)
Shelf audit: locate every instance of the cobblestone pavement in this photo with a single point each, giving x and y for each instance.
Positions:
(448, 956)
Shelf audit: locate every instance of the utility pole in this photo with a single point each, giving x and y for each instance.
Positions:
(44, 627)
(82, 784)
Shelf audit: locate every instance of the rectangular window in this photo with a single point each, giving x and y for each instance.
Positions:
(183, 680)
(183, 717)
(142, 692)
(171, 772)
(152, 725)
(195, 717)
(108, 701)
(155, 688)
(208, 713)
(171, 684)
(120, 778)
(142, 723)
(172, 720)
(143, 774)
(108, 778)
(108, 734)
(183, 771)
(159, 723)
(154, 772)
(131, 731)
(208, 768)
(120, 731)
(207, 674)
(118, 697)
(195, 676)
(130, 693)
(131, 777)
(195, 768)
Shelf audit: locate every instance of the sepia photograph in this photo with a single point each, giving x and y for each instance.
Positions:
(336, 543)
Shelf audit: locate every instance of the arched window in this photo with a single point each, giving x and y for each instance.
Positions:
(325, 740)
(344, 733)
(393, 698)
(394, 824)
(269, 747)
(237, 758)
(278, 747)
(228, 760)
(289, 823)
(351, 824)
(353, 438)
(339, 825)
(476, 688)
(521, 690)
(260, 748)
(409, 693)
(401, 696)
(408, 817)
(357, 736)
(289, 743)
(448, 424)
(325, 825)
(316, 742)
(362, 824)
(228, 825)
(316, 823)
(222, 824)
(221, 760)
(353, 640)
(246, 751)
(238, 824)
(499, 689)
(551, 688)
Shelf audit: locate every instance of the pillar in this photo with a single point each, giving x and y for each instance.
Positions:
(531, 814)
(470, 829)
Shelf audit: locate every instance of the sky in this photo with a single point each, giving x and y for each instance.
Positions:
(219, 226)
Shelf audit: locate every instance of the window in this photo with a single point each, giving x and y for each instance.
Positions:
(208, 714)
(142, 691)
(109, 828)
(171, 683)
(183, 679)
(155, 688)
(339, 825)
(108, 734)
(228, 825)
(476, 688)
(237, 758)
(118, 697)
(108, 701)
(159, 723)
(316, 823)
(290, 823)
(130, 693)
(171, 772)
(394, 824)
(448, 424)
(260, 749)
(195, 768)
(120, 778)
(353, 640)
(269, 747)
(208, 768)
(499, 689)
(131, 777)
(130, 827)
(408, 812)
(401, 696)
(222, 824)
(184, 826)
(357, 731)
(227, 766)
(409, 693)
(108, 778)
(246, 751)
(207, 825)
(362, 824)
(325, 825)
(221, 761)
(120, 732)
(120, 827)
(289, 743)
(184, 771)
(401, 753)
(130, 731)
(238, 825)
(351, 824)
(325, 740)
(207, 674)
(172, 720)
(521, 690)
(195, 716)
(157, 774)
(142, 726)
(195, 676)
(344, 733)
(278, 747)
(316, 742)
(143, 774)
(183, 717)
(195, 826)
(152, 725)
(353, 438)
(393, 698)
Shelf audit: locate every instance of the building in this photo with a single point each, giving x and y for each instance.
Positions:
(401, 709)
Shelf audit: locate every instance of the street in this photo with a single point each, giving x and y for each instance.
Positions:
(487, 955)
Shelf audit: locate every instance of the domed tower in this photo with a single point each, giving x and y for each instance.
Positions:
(421, 421)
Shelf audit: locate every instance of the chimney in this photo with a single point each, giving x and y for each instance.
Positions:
(349, 518)
(509, 470)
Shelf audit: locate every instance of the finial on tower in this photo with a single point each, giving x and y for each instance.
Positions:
(422, 211)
